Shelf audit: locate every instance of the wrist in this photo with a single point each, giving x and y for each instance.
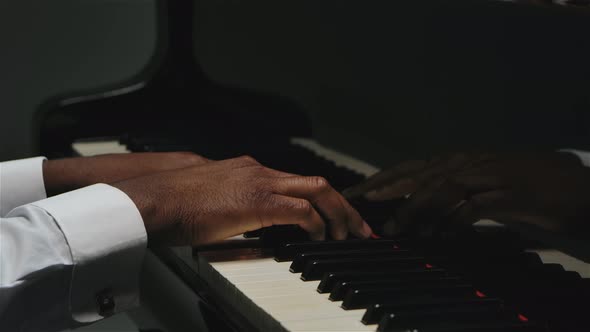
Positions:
(135, 189)
(55, 177)
(63, 175)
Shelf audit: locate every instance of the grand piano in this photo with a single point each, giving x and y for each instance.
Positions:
(488, 278)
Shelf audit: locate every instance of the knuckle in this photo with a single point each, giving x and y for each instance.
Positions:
(257, 169)
(191, 157)
(319, 182)
(302, 207)
(247, 160)
(184, 157)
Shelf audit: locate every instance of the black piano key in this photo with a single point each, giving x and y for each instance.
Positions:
(376, 311)
(386, 326)
(342, 288)
(525, 259)
(535, 295)
(449, 316)
(478, 244)
(545, 271)
(484, 265)
(330, 279)
(301, 259)
(511, 271)
(274, 236)
(515, 282)
(288, 251)
(314, 270)
(362, 298)
(253, 234)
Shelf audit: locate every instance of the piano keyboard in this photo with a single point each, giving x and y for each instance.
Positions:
(395, 285)
(263, 291)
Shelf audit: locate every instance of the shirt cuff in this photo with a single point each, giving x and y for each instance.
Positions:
(21, 182)
(107, 240)
(583, 155)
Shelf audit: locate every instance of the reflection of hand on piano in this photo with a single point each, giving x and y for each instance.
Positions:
(546, 190)
(221, 199)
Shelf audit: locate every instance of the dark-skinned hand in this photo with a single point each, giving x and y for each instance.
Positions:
(549, 190)
(220, 199)
(67, 174)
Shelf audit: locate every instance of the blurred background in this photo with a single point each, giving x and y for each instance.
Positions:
(383, 81)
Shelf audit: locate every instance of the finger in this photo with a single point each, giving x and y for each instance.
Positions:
(492, 204)
(403, 187)
(356, 224)
(384, 178)
(273, 173)
(475, 184)
(280, 210)
(242, 161)
(444, 167)
(432, 205)
(296, 211)
(427, 207)
(398, 189)
(341, 217)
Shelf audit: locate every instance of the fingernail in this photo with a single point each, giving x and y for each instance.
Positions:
(367, 231)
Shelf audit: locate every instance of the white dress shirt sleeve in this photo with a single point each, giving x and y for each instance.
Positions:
(69, 259)
(21, 182)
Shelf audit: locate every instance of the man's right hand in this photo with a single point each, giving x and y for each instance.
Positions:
(221, 199)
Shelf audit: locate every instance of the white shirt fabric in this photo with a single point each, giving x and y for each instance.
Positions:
(58, 254)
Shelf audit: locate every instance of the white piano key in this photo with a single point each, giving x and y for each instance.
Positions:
(241, 265)
(289, 300)
(329, 324)
(92, 148)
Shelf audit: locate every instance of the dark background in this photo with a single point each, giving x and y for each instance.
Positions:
(381, 80)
